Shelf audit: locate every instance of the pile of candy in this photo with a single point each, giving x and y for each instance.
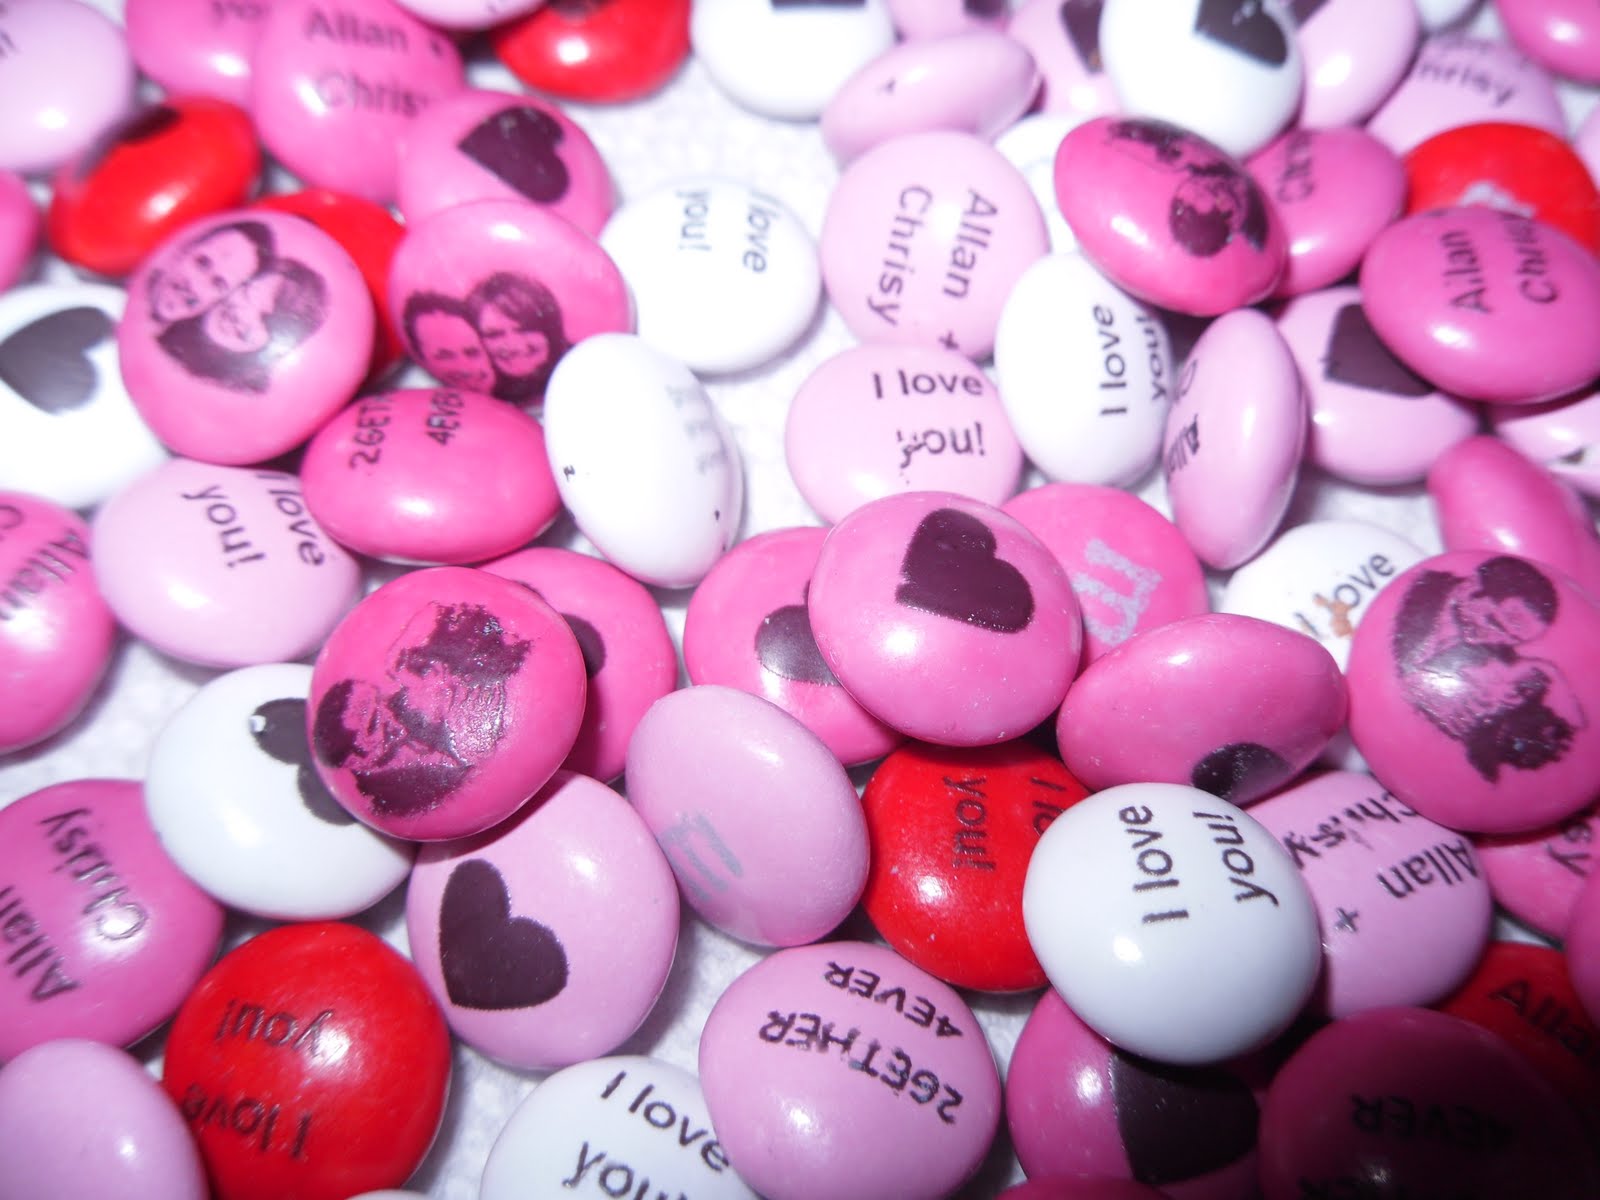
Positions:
(1169, 770)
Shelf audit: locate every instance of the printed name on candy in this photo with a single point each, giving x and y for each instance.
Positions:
(735, 259)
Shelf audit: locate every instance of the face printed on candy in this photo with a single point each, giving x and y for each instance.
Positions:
(412, 738)
(237, 322)
(450, 350)
(1213, 201)
(202, 271)
(520, 324)
(515, 352)
(1459, 647)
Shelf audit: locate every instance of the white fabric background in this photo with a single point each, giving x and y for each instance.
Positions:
(689, 128)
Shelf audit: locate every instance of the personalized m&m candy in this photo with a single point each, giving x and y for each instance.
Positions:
(1538, 876)
(310, 1062)
(1403, 902)
(333, 89)
(221, 565)
(952, 831)
(273, 841)
(160, 169)
(56, 631)
(748, 626)
(547, 940)
(196, 47)
(924, 238)
(945, 618)
(1483, 303)
(1168, 216)
(243, 333)
(443, 701)
(1468, 694)
(842, 1070)
(616, 1124)
(1425, 1102)
(1078, 1106)
(430, 476)
(106, 936)
(72, 432)
(1135, 894)
(714, 771)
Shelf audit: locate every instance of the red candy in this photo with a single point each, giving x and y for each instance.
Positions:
(951, 833)
(1524, 994)
(1514, 167)
(369, 234)
(597, 50)
(310, 1063)
(160, 169)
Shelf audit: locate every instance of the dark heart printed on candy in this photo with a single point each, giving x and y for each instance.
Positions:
(786, 647)
(1357, 357)
(141, 127)
(1467, 660)
(1244, 26)
(1303, 10)
(950, 570)
(492, 960)
(590, 644)
(518, 147)
(1240, 771)
(411, 737)
(279, 727)
(1180, 1123)
(46, 362)
(1081, 20)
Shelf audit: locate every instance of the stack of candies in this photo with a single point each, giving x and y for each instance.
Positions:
(803, 598)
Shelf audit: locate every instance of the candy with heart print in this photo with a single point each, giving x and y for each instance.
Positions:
(547, 939)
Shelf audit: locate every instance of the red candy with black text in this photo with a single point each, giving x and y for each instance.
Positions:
(597, 50)
(951, 832)
(369, 234)
(1523, 993)
(163, 167)
(311, 1063)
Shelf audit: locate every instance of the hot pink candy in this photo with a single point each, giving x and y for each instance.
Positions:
(109, 935)
(425, 476)
(57, 631)
(1485, 304)
(1471, 694)
(1232, 705)
(627, 651)
(1487, 496)
(749, 626)
(443, 701)
(333, 90)
(1538, 876)
(1129, 566)
(1168, 216)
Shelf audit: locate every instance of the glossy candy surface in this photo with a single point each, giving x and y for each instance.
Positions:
(107, 935)
(443, 701)
(158, 170)
(309, 1062)
(606, 52)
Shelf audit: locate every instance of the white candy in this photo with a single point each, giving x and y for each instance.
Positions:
(643, 461)
(236, 803)
(1085, 373)
(1229, 70)
(786, 58)
(724, 277)
(71, 434)
(605, 1127)
(1030, 145)
(1320, 578)
(1171, 922)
